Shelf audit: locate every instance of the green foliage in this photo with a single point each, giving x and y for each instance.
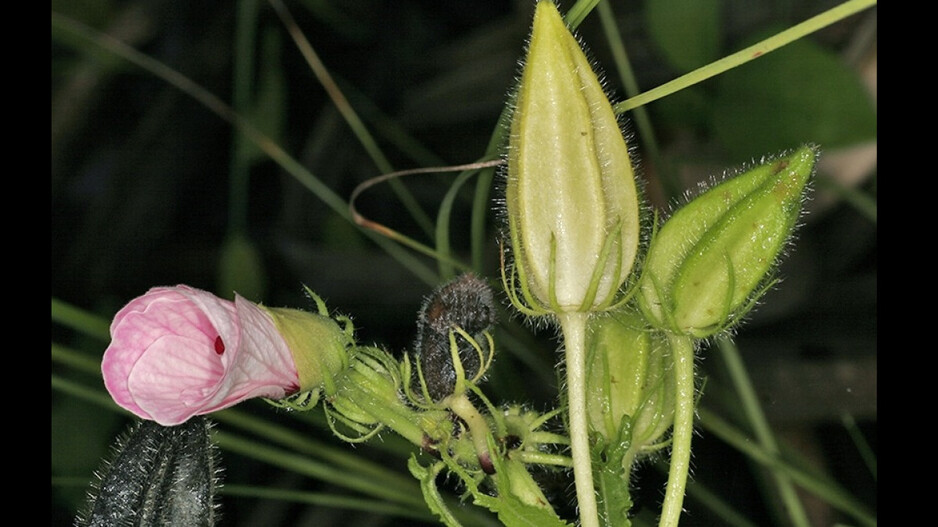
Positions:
(267, 109)
(241, 269)
(431, 494)
(512, 511)
(688, 32)
(801, 93)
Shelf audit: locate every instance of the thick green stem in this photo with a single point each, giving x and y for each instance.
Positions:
(682, 350)
(574, 338)
(393, 414)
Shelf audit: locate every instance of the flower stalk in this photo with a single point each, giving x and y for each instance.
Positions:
(573, 326)
(682, 349)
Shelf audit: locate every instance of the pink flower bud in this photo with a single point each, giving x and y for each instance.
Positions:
(177, 352)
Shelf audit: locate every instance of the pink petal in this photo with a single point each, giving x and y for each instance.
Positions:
(177, 352)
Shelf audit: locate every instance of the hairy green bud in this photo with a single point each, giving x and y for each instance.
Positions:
(572, 204)
(705, 266)
(629, 377)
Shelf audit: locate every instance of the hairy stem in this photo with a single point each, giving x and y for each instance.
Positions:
(574, 337)
(478, 428)
(682, 349)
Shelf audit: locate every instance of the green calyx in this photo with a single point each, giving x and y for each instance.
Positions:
(572, 203)
(711, 259)
(320, 346)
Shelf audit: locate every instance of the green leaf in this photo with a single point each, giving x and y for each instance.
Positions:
(612, 481)
(511, 511)
(427, 478)
(687, 31)
(800, 94)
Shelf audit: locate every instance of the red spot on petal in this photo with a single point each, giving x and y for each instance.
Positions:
(219, 345)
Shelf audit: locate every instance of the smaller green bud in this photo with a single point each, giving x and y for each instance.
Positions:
(704, 268)
(628, 377)
(571, 199)
(319, 345)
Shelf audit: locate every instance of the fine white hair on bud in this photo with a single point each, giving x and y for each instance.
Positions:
(710, 261)
(571, 199)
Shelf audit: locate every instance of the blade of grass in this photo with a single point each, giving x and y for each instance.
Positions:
(80, 320)
(752, 52)
(365, 483)
(481, 204)
(756, 418)
(321, 499)
(717, 505)
(576, 14)
(243, 73)
(76, 359)
(640, 115)
(862, 446)
(314, 469)
(447, 270)
(342, 461)
(306, 178)
(389, 129)
(443, 257)
(827, 490)
(85, 393)
(303, 444)
(351, 117)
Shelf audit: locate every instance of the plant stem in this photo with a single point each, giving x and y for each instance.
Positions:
(478, 428)
(396, 416)
(573, 326)
(682, 349)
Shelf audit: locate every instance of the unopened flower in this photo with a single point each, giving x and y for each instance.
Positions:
(158, 475)
(709, 261)
(177, 352)
(572, 204)
(629, 378)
